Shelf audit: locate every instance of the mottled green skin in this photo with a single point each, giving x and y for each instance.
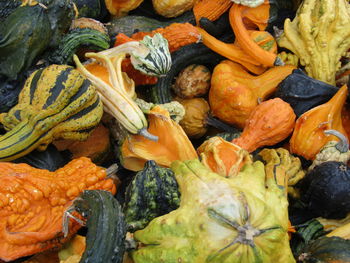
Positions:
(243, 219)
(106, 227)
(24, 35)
(153, 192)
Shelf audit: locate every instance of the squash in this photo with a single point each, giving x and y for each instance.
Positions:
(246, 215)
(223, 157)
(192, 81)
(172, 144)
(56, 102)
(292, 90)
(119, 8)
(89, 38)
(97, 147)
(91, 8)
(270, 122)
(32, 214)
(7, 7)
(234, 92)
(106, 226)
(50, 159)
(326, 250)
(325, 188)
(172, 8)
(152, 192)
(196, 113)
(25, 34)
(72, 250)
(210, 9)
(318, 35)
(308, 136)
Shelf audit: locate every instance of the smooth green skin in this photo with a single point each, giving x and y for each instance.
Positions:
(191, 235)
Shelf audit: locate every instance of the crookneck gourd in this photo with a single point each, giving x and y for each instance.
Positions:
(319, 36)
(240, 219)
(33, 203)
(56, 102)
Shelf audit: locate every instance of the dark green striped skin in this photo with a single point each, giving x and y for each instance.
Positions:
(153, 192)
(106, 227)
(87, 37)
(56, 103)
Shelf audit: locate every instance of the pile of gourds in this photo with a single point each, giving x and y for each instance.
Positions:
(174, 131)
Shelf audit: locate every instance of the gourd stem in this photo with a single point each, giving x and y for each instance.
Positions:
(143, 132)
(111, 170)
(210, 120)
(343, 145)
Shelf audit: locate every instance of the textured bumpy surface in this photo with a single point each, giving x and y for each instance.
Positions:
(33, 201)
(56, 102)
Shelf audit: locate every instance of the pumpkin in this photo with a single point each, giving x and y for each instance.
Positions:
(234, 93)
(32, 214)
(106, 228)
(308, 136)
(246, 215)
(173, 143)
(196, 113)
(270, 122)
(152, 192)
(223, 157)
(55, 102)
(319, 52)
(192, 81)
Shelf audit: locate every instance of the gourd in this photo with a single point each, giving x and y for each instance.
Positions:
(152, 192)
(325, 190)
(223, 157)
(234, 93)
(172, 8)
(32, 214)
(7, 7)
(270, 122)
(194, 120)
(245, 215)
(173, 143)
(279, 163)
(319, 37)
(90, 38)
(292, 90)
(119, 8)
(192, 81)
(91, 8)
(308, 136)
(210, 9)
(327, 250)
(106, 226)
(55, 102)
(25, 34)
(50, 159)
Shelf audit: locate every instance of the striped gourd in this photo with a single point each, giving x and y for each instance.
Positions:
(56, 102)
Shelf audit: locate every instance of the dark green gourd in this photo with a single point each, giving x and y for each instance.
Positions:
(91, 8)
(7, 7)
(303, 92)
(325, 190)
(106, 228)
(152, 192)
(24, 35)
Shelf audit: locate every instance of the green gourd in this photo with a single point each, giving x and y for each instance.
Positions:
(55, 102)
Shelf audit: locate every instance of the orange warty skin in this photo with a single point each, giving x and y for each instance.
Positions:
(33, 202)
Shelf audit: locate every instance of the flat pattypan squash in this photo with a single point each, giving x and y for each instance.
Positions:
(243, 219)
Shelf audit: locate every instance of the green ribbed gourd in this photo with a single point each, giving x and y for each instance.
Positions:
(56, 102)
(152, 192)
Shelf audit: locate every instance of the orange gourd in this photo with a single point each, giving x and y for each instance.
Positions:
(234, 92)
(33, 202)
(223, 157)
(173, 143)
(270, 122)
(210, 9)
(119, 8)
(308, 136)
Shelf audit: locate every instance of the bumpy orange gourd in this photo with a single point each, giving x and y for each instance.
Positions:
(234, 92)
(223, 157)
(210, 9)
(308, 136)
(33, 202)
(173, 143)
(269, 123)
